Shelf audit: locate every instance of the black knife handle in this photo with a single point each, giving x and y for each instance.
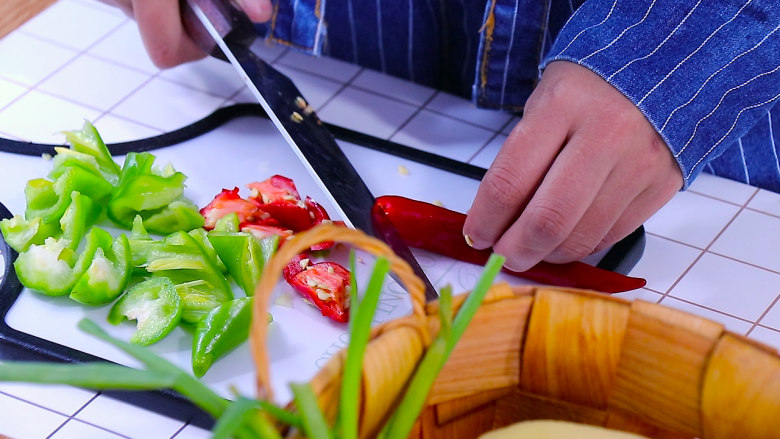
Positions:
(231, 23)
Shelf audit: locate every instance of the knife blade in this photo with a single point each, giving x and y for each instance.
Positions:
(223, 31)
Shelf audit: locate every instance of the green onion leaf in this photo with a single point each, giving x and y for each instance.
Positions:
(314, 424)
(407, 412)
(360, 330)
(98, 376)
(184, 383)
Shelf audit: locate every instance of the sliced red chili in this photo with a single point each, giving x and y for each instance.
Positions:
(279, 197)
(228, 201)
(326, 284)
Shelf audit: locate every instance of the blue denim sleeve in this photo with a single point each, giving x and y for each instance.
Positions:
(297, 23)
(703, 73)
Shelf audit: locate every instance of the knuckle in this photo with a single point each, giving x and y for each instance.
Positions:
(547, 224)
(500, 185)
(571, 250)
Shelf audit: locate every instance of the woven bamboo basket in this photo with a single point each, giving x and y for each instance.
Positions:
(551, 353)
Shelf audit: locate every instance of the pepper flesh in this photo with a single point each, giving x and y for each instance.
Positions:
(326, 284)
(279, 197)
(439, 230)
(154, 304)
(219, 332)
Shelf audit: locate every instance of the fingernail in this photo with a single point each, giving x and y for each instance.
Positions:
(468, 239)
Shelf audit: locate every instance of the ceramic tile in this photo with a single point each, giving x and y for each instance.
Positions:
(443, 135)
(76, 82)
(135, 422)
(193, 432)
(366, 112)
(767, 336)
(327, 67)
(730, 323)
(663, 262)
(18, 46)
(464, 110)
(691, 219)
(722, 188)
(639, 294)
(99, 5)
(75, 429)
(486, 155)
(63, 399)
(114, 129)
(752, 237)
(729, 286)
(124, 46)
(209, 75)
(83, 25)
(166, 105)
(9, 91)
(766, 201)
(407, 91)
(21, 420)
(772, 318)
(316, 89)
(52, 116)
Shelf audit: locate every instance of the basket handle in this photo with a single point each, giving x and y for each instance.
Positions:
(299, 243)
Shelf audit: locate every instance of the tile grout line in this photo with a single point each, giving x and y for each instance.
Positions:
(343, 87)
(499, 132)
(766, 311)
(414, 114)
(705, 250)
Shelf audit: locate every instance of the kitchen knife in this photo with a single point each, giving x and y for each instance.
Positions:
(224, 31)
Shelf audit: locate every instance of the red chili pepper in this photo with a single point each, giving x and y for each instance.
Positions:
(325, 284)
(439, 230)
(228, 201)
(279, 197)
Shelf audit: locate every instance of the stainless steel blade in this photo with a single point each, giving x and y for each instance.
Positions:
(310, 140)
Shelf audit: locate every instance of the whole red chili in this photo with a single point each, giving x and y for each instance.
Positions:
(429, 227)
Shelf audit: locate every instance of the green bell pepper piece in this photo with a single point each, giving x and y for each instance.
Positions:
(88, 141)
(200, 236)
(244, 255)
(219, 332)
(49, 201)
(181, 214)
(53, 266)
(142, 188)
(154, 304)
(109, 272)
(228, 223)
(194, 272)
(20, 233)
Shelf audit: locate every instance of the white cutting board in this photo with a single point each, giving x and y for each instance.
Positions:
(300, 339)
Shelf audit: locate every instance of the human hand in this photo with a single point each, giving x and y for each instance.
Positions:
(162, 31)
(579, 172)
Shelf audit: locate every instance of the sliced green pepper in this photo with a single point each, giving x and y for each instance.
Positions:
(108, 273)
(228, 223)
(88, 141)
(244, 255)
(49, 201)
(53, 267)
(182, 259)
(201, 237)
(154, 304)
(151, 193)
(220, 331)
(20, 233)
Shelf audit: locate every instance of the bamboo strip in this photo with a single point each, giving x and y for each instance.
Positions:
(573, 346)
(741, 392)
(450, 410)
(660, 371)
(476, 365)
(523, 406)
(468, 426)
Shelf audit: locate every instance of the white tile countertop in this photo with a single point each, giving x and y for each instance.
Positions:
(712, 251)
